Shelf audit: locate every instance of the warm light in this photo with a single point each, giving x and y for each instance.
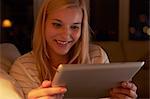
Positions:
(148, 31)
(6, 23)
(145, 28)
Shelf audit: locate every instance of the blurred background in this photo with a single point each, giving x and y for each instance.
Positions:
(121, 27)
(118, 25)
(17, 23)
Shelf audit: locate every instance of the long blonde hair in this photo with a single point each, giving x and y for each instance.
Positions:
(79, 53)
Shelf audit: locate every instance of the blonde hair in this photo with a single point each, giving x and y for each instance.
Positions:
(79, 53)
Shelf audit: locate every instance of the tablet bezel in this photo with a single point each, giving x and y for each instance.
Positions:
(93, 80)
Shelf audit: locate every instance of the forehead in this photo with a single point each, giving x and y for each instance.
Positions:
(67, 14)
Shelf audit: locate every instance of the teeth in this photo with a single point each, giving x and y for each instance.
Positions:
(62, 42)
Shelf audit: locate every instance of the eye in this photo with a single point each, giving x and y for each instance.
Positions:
(75, 27)
(57, 25)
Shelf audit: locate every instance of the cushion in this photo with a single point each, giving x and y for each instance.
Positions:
(10, 88)
(5, 64)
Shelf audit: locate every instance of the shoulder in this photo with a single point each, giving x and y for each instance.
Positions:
(26, 58)
(97, 54)
(96, 50)
(25, 65)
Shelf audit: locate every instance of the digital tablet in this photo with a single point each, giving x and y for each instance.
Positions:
(93, 80)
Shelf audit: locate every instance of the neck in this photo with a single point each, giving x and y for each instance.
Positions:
(56, 60)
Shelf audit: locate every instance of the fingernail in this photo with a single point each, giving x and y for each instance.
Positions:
(63, 89)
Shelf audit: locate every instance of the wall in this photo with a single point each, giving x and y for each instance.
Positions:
(36, 5)
(129, 51)
(125, 50)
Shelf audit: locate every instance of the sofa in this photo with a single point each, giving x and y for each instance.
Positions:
(9, 88)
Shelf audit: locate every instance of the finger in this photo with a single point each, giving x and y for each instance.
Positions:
(57, 90)
(120, 96)
(46, 84)
(129, 85)
(36, 93)
(47, 97)
(59, 96)
(127, 92)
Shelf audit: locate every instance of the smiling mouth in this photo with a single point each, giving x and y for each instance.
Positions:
(63, 42)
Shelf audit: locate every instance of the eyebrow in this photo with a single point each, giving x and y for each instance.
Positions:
(62, 22)
(57, 20)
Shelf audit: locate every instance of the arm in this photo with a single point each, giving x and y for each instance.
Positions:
(27, 76)
(45, 91)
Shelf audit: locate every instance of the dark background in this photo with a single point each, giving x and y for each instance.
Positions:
(20, 13)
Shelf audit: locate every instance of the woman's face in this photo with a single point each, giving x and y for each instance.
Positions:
(63, 29)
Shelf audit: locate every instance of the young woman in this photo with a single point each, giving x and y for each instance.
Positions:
(61, 36)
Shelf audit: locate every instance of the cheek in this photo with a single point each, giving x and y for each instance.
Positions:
(47, 34)
(76, 35)
(49, 31)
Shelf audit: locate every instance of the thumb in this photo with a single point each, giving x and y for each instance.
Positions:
(45, 84)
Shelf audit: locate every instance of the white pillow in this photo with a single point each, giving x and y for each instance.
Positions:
(7, 90)
(9, 87)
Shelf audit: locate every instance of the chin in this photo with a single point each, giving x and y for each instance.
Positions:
(62, 52)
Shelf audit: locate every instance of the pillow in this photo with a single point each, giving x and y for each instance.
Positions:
(7, 90)
(9, 87)
(5, 64)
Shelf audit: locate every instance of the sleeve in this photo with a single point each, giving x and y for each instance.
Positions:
(98, 55)
(25, 76)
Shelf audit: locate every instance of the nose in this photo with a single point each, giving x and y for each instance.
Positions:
(66, 32)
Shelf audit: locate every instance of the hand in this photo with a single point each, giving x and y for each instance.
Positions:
(126, 90)
(45, 91)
